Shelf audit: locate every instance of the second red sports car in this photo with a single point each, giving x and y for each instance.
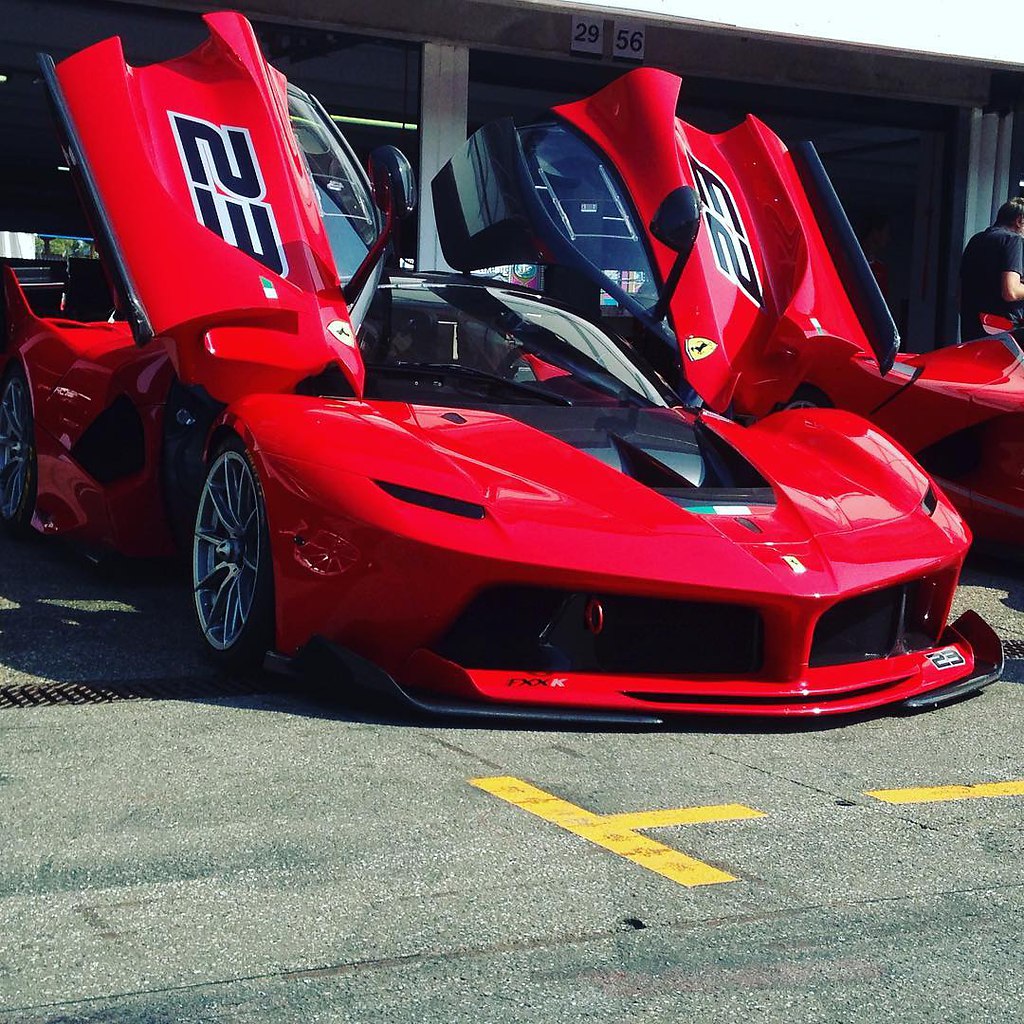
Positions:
(763, 301)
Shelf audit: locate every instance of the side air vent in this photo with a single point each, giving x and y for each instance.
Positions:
(954, 456)
(113, 445)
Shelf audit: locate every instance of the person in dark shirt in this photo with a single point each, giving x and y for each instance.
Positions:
(991, 271)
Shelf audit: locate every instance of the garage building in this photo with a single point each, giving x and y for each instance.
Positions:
(915, 119)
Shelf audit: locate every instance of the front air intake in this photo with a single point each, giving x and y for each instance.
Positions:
(536, 629)
(881, 624)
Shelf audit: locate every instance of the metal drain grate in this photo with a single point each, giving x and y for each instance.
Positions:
(33, 695)
(1013, 648)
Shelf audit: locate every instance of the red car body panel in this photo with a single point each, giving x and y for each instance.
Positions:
(138, 151)
(562, 519)
(74, 371)
(805, 331)
(960, 410)
(390, 521)
(758, 358)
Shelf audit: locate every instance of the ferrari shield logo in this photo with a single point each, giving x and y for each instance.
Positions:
(340, 330)
(795, 564)
(699, 348)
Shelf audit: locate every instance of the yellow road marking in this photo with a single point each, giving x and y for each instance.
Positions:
(931, 794)
(682, 816)
(618, 832)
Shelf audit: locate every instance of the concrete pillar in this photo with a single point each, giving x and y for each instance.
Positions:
(1001, 185)
(444, 105)
(923, 331)
(988, 175)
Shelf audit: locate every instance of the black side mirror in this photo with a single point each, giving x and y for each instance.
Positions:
(675, 224)
(394, 192)
(394, 186)
(677, 220)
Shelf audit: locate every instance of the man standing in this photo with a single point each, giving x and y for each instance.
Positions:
(991, 271)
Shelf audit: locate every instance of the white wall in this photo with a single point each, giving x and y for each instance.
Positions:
(17, 245)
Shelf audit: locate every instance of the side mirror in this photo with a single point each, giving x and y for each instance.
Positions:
(677, 220)
(675, 224)
(394, 186)
(992, 323)
(394, 192)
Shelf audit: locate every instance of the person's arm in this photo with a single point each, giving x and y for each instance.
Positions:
(1011, 286)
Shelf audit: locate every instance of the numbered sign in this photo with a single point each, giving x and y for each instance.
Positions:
(628, 40)
(587, 34)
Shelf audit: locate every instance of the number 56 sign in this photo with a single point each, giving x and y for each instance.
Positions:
(628, 40)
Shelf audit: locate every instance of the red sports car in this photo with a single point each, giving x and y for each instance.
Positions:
(440, 487)
(763, 301)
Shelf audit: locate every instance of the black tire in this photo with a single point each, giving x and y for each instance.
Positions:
(808, 397)
(19, 472)
(232, 571)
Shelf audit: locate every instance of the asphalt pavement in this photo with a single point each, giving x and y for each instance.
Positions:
(179, 847)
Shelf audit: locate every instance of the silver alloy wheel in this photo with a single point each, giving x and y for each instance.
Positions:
(226, 550)
(15, 445)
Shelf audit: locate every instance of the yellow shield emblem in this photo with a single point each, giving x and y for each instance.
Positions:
(699, 348)
(341, 331)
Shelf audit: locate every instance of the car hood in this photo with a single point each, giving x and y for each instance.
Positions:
(774, 266)
(606, 475)
(199, 195)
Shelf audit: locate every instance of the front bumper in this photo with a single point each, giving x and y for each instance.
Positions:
(989, 663)
(968, 658)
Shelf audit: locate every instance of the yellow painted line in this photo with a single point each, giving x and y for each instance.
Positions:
(683, 816)
(617, 833)
(932, 794)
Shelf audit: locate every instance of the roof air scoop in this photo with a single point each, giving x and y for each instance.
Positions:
(645, 468)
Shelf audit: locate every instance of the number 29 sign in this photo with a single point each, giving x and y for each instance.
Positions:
(628, 37)
(587, 34)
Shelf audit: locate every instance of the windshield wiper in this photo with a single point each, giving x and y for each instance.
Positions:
(470, 373)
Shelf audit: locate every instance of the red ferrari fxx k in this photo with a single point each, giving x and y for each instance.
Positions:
(762, 301)
(442, 488)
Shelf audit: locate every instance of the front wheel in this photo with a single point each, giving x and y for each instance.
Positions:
(808, 397)
(18, 471)
(232, 575)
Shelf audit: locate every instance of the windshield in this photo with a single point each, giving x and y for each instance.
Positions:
(582, 193)
(342, 191)
(492, 341)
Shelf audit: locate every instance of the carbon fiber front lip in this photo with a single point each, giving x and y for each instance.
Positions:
(325, 660)
(984, 674)
(989, 662)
